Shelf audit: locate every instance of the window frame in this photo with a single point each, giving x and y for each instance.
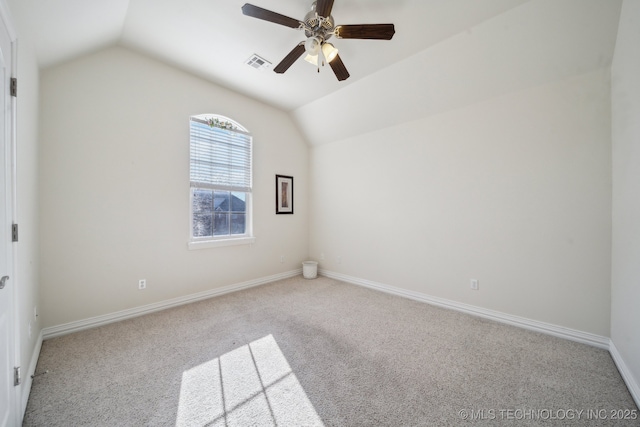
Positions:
(203, 242)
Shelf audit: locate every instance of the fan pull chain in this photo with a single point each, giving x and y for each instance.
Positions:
(320, 59)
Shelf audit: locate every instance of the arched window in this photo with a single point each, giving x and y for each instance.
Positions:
(221, 181)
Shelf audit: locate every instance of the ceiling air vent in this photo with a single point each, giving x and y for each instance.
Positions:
(258, 63)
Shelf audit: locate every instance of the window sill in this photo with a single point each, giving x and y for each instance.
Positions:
(222, 242)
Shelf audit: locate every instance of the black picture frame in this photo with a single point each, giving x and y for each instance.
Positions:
(284, 195)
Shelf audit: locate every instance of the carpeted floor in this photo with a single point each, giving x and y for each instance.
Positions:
(321, 352)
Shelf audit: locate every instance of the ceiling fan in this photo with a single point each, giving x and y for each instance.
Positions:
(319, 26)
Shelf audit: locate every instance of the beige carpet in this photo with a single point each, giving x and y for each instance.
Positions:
(321, 352)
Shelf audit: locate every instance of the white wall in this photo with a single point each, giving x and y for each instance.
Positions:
(625, 105)
(115, 187)
(27, 200)
(515, 192)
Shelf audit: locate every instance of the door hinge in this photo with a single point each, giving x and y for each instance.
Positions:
(14, 232)
(17, 379)
(13, 87)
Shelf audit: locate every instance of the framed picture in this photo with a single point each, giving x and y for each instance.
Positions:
(284, 194)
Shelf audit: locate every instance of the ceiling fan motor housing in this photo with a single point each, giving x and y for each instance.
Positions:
(318, 26)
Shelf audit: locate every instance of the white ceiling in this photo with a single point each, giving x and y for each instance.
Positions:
(445, 53)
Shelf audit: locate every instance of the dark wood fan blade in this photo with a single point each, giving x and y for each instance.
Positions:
(366, 31)
(323, 8)
(339, 69)
(267, 15)
(289, 59)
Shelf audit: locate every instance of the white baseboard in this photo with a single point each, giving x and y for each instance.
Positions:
(534, 325)
(67, 328)
(27, 380)
(626, 374)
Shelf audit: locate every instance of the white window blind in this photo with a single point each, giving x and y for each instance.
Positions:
(220, 158)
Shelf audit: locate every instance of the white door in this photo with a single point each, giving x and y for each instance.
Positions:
(8, 393)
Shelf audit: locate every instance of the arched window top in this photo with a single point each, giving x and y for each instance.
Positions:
(219, 121)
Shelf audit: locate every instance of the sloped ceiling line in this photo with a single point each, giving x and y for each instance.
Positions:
(445, 54)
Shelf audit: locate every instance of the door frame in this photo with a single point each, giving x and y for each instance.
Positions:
(10, 149)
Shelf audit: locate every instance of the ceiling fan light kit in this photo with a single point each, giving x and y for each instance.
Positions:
(312, 45)
(329, 52)
(318, 27)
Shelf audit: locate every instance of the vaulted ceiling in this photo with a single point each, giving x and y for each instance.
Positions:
(445, 53)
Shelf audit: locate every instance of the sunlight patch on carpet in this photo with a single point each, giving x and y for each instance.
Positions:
(251, 385)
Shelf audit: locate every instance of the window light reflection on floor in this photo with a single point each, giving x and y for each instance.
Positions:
(251, 385)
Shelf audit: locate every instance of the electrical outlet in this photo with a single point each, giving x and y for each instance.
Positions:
(142, 284)
(474, 284)
(322, 256)
(35, 313)
(281, 259)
